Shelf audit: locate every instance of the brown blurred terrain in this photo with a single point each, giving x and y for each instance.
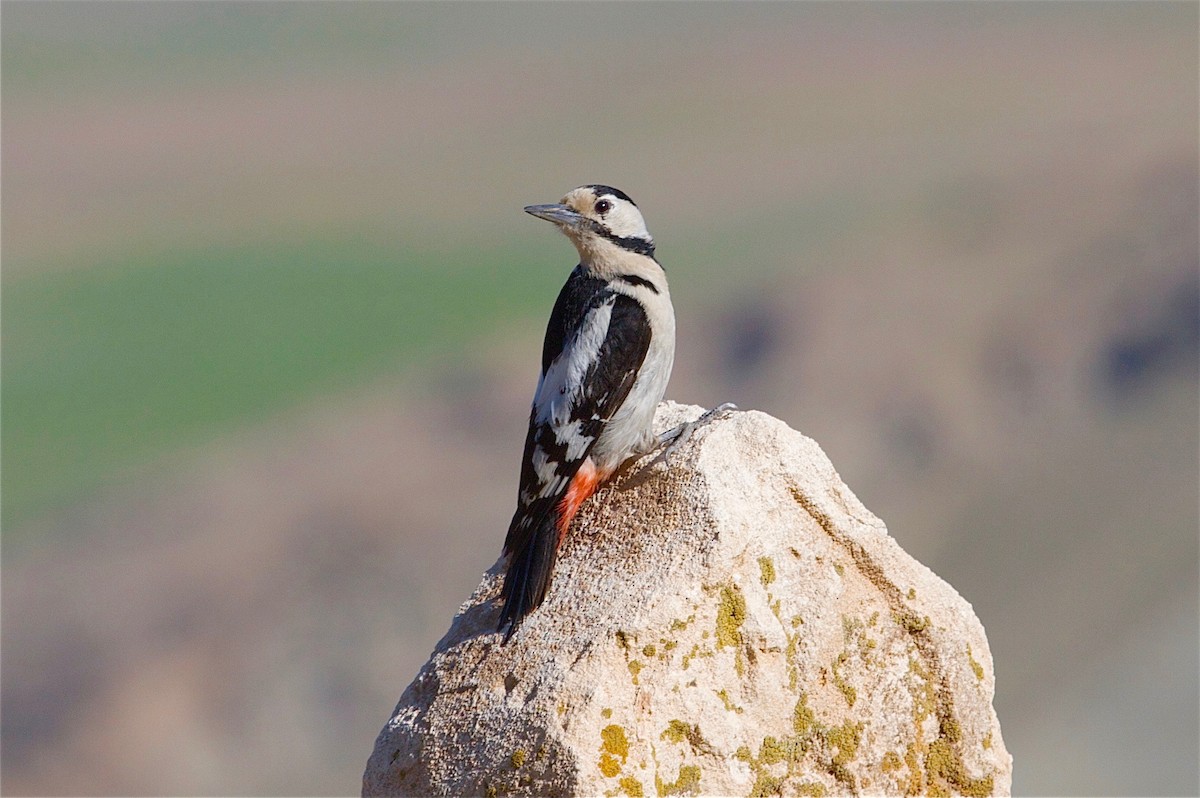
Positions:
(957, 245)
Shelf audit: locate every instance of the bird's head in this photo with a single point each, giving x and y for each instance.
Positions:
(599, 220)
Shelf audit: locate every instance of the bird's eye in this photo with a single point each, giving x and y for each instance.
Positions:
(603, 207)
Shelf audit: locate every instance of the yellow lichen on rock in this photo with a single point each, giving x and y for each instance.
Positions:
(731, 614)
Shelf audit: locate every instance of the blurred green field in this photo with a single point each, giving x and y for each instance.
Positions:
(108, 366)
(132, 329)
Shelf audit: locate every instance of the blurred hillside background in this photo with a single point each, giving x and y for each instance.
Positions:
(272, 317)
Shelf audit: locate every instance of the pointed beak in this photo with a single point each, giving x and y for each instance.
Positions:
(559, 214)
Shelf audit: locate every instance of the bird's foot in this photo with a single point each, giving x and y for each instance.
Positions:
(676, 437)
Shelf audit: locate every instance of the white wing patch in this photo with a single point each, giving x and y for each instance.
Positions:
(542, 466)
(561, 386)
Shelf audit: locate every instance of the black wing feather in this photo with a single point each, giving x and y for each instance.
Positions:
(611, 377)
(580, 295)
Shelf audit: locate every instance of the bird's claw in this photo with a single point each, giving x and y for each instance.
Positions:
(676, 437)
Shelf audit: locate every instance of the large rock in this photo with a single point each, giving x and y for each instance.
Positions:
(735, 624)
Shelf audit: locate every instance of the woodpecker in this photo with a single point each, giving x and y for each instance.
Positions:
(606, 359)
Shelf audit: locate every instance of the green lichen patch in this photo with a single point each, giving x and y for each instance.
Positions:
(780, 759)
(678, 625)
(846, 738)
(975, 666)
(911, 623)
(771, 751)
(891, 762)
(731, 614)
(766, 567)
(518, 758)
(912, 593)
(843, 776)
(635, 668)
(623, 639)
(788, 751)
(858, 642)
(943, 762)
(935, 767)
(729, 705)
(987, 741)
(841, 570)
(606, 712)
(687, 782)
(916, 776)
(851, 628)
(803, 718)
(648, 651)
(677, 731)
(847, 690)
(950, 730)
(765, 785)
(924, 694)
(790, 652)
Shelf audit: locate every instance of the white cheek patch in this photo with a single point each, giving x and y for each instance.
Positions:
(626, 221)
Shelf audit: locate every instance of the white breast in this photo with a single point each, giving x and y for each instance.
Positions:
(629, 430)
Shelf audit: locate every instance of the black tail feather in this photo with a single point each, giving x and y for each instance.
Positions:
(531, 562)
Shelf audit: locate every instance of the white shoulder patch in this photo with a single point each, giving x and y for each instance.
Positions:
(561, 386)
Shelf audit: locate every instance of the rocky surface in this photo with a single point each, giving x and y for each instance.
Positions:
(738, 624)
